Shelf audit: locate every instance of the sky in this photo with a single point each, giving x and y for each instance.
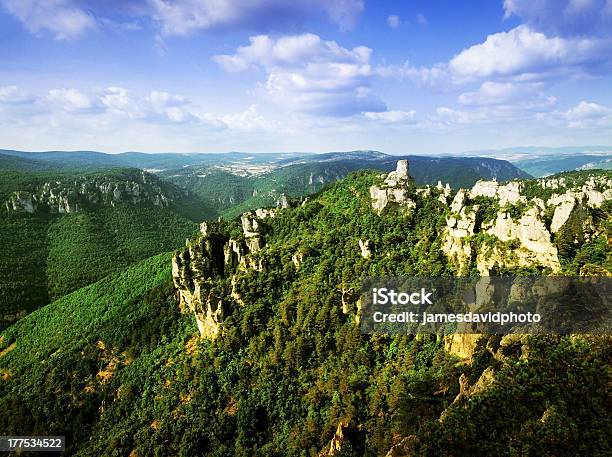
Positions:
(304, 75)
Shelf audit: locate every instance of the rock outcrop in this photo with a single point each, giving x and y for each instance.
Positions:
(365, 246)
(63, 196)
(394, 191)
(212, 255)
(524, 234)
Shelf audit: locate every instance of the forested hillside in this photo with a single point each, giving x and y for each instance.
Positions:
(231, 193)
(62, 231)
(263, 354)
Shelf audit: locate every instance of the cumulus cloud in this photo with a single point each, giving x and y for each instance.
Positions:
(64, 19)
(588, 114)
(12, 95)
(512, 70)
(117, 100)
(268, 52)
(157, 106)
(496, 93)
(564, 17)
(182, 17)
(393, 21)
(310, 74)
(119, 106)
(448, 116)
(523, 53)
(70, 99)
(249, 120)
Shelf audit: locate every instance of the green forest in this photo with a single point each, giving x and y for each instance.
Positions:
(119, 370)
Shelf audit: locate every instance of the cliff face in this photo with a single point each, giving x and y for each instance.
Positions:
(62, 196)
(212, 255)
(527, 229)
(490, 229)
(394, 191)
(524, 230)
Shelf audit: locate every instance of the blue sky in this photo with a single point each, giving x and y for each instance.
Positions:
(304, 75)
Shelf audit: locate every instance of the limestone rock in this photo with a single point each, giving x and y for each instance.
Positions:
(461, 344)
(407, 447)
(562, 213)
(72, 195)
(394, 190)
(21, 201)
(366, 248)
(210, 256)
(297, 259)
(335, 446)
(533, 236)
(484, 189)
(456, 244)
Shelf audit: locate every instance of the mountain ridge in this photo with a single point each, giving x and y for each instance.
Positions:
(289, 371)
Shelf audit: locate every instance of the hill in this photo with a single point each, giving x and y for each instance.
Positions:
(79, 160)
(69, 229)
(547, 166)
(234, 182)
(277, 364)
(232, 192)
(546, 161)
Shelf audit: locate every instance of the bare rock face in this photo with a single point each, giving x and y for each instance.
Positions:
(461, 345)
(21, 201)
(444, 192)
(72, 195)
(335, 446)
(536, 247)
(251, 227)
(525, 240)
(365, 247)
(460, 226)
(210, 256)
(394, 190)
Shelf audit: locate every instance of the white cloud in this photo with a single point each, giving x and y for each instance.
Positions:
(158, 106)
(523, 53)
(588, 114)
(117, 101)
(70, 99)
(392, 116)
(421, 19)
(68, 19)
(249, 120)
(447, 116)
(183, 17)
(495, 93)
(62, 18)
(12, 95)
(161, 100)
(117, 105)
(393, 21)
(268, 52)
(564, 17)
(308, 74)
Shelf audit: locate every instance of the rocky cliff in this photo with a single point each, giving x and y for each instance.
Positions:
(72, 195)
(211, 255)
(491, 229)
(494, 227)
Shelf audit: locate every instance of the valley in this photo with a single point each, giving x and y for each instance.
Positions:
(246, 340)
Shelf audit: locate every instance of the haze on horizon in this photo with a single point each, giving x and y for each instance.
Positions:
(305, 75)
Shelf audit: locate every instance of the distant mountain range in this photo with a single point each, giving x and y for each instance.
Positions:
(75, 217)
(539, 161)
(236, 181)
